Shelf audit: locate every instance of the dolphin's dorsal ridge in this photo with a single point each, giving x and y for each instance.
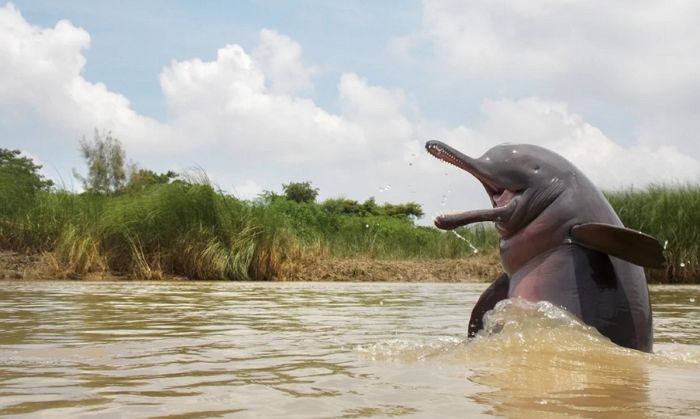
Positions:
(624, 243)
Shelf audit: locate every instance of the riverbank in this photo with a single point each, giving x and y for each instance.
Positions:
(194, 231)
(478, 268)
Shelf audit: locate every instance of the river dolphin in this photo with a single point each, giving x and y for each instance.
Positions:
(560, 241)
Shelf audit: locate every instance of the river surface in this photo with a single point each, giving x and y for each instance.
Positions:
(73, 349)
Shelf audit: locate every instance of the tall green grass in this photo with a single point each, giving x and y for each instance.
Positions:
(671, 213)
(191, 229)
(385, 237)
(180, 228)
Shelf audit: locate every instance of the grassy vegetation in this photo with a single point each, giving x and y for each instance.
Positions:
(672, 215)
(376, 236)
(157, 225)
(182, 229)
(192, 230)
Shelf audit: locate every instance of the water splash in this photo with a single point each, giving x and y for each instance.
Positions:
(518, 316)
(464, 239)
(514, 328)
(443, 201)
(523, 335)
(538, 360)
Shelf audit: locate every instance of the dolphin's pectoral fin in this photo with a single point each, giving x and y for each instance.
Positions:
(497, 291)
(624, 243)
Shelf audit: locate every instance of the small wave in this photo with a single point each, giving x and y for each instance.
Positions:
(514, 326)
(519, 332)
(676, 354)
(408, 350)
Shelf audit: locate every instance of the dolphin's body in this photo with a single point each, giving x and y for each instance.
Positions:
(561, 241)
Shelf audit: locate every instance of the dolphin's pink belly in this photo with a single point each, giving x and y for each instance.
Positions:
(548, 277)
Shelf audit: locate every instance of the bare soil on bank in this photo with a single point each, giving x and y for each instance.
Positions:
(34, 266)
(477, 268)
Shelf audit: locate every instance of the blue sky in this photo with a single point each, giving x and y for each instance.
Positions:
(344, 94)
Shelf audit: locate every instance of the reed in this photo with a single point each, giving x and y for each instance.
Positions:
(384, 237)
(671, 213)
(180, 229)
(188, 228)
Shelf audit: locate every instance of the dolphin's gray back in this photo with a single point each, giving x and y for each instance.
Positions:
(614, 298)
(620, 292)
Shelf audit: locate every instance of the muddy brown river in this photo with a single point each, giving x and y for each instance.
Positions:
(329, 350)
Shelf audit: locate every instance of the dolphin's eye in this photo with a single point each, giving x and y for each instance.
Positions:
(537, 168)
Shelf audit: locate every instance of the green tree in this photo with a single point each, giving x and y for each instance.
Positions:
(19, 181)
(300, 192)
(342, 206)
(22, 170)
(267, 197)
(406, 210)
(105, 159)
(143, 179)
(370, 207)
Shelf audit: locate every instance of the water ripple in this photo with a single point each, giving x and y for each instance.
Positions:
(326, 350)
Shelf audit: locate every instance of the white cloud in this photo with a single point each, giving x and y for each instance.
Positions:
(225, 102)
(633, 65)
(642, 50)
(249, 189)
(41, 71)
(379, 111)
(279, 57)
(552, 125)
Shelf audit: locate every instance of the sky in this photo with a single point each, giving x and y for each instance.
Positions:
(345, 94)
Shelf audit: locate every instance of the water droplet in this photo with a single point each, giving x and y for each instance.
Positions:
(682, 264)
(665, 244)
(514, 151)
(387, 188)
(691, 299)
(366, 225)
(474, 249)
(381, 190)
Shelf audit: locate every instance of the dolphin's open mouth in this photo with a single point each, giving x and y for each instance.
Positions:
(503, 200)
